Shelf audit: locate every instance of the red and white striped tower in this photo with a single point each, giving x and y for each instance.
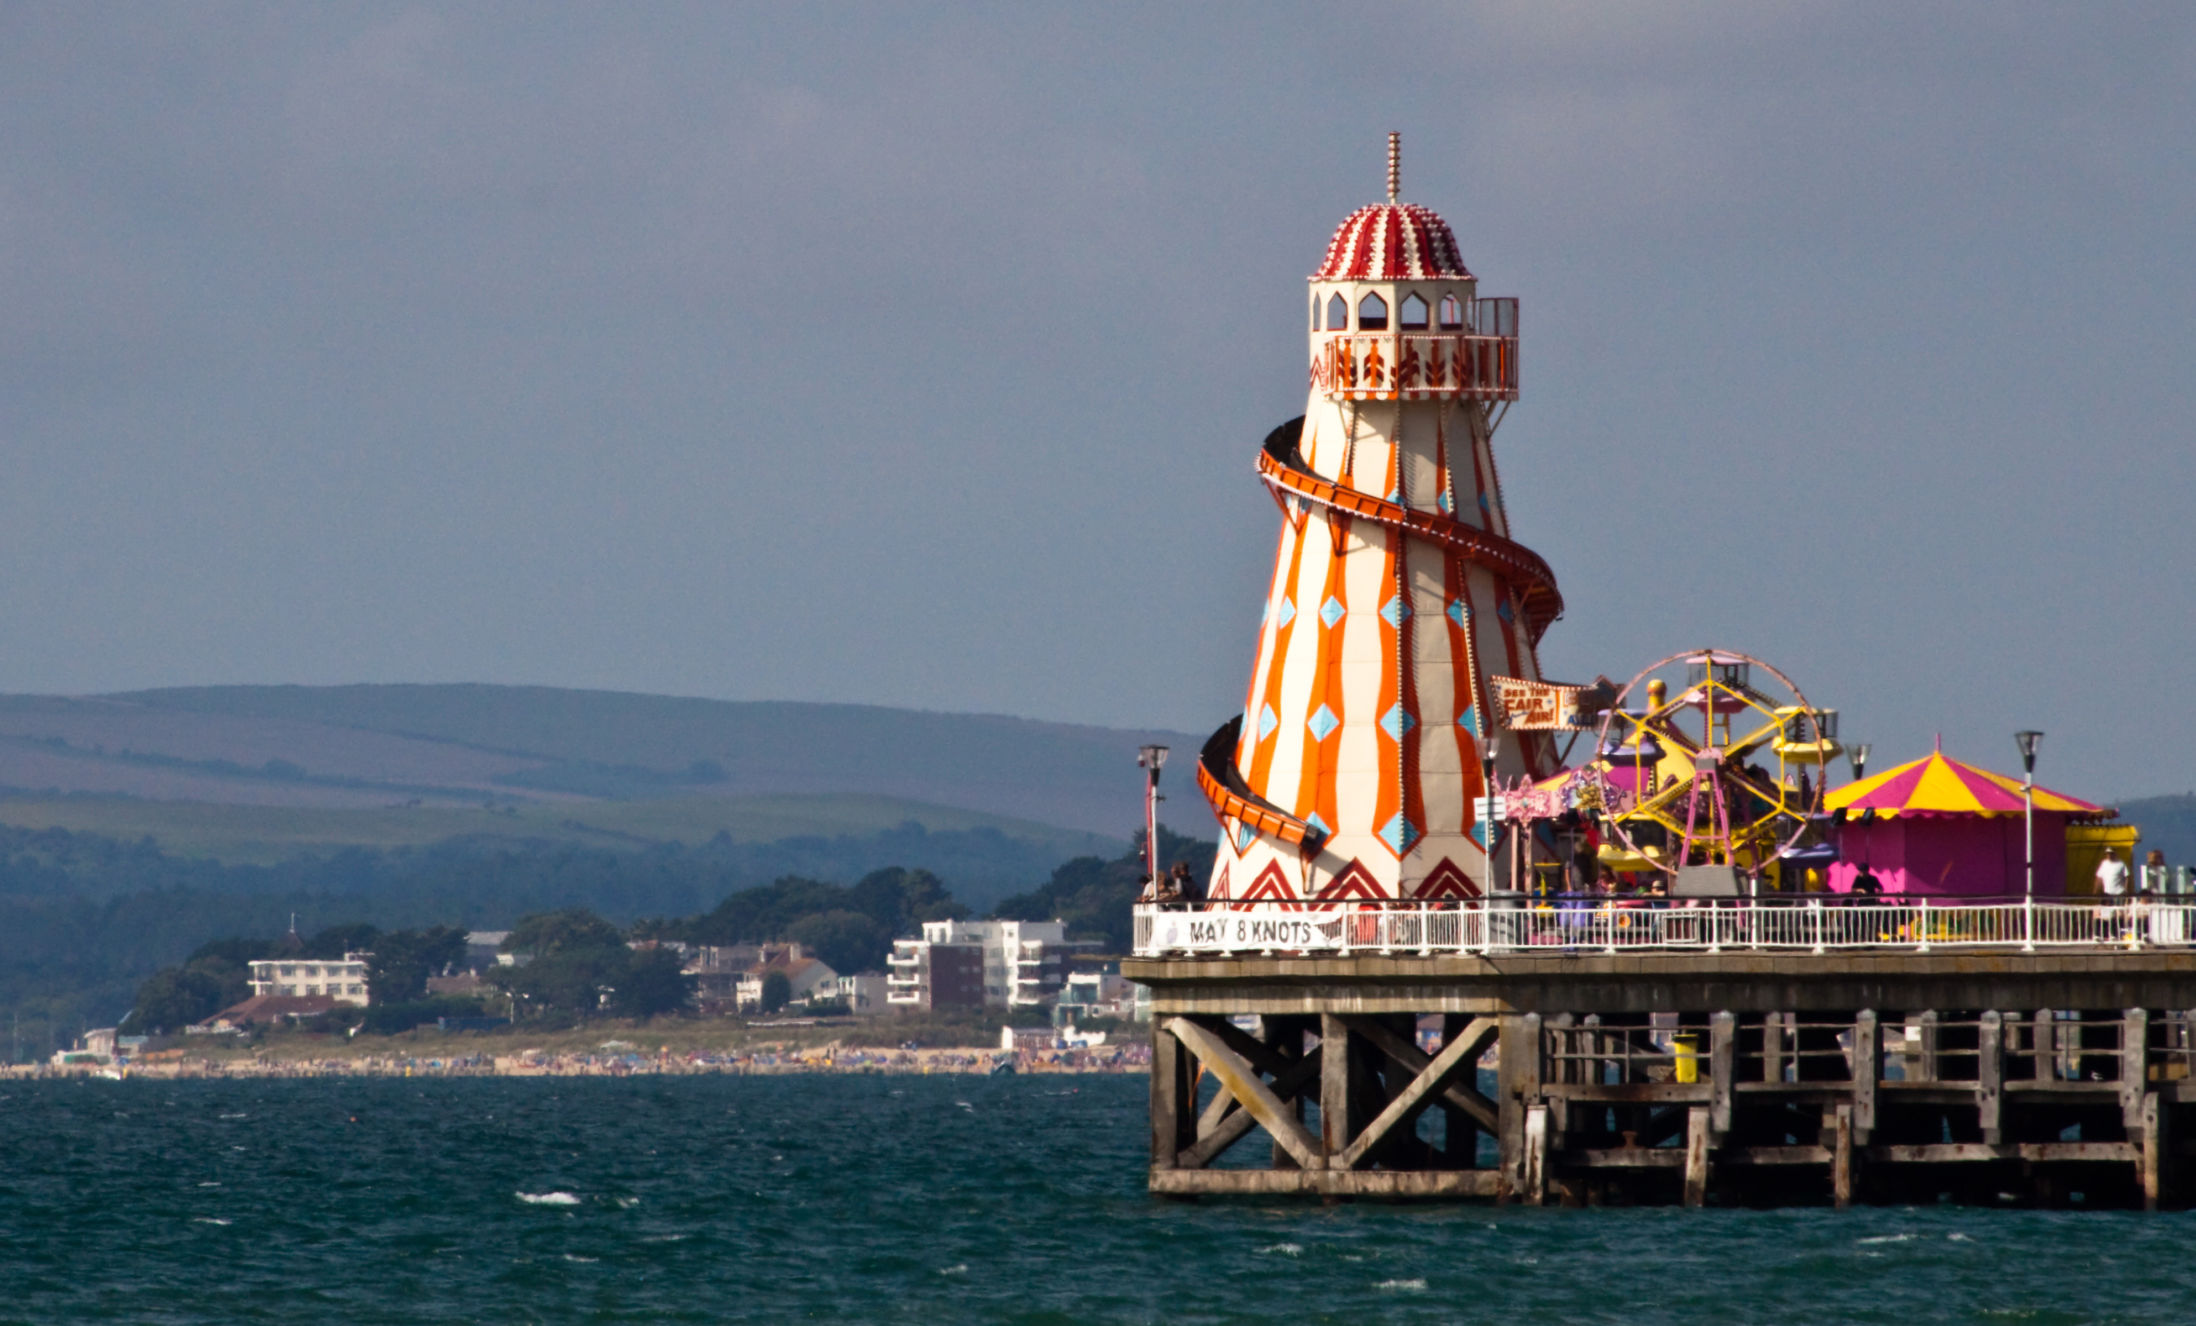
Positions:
(1397, 591)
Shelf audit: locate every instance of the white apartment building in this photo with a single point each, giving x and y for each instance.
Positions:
(968, 964)
(344, 981)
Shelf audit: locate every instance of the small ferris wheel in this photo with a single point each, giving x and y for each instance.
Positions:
(1712, 758)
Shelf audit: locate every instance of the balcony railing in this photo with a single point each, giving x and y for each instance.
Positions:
(1411, 365)
(1919, 925)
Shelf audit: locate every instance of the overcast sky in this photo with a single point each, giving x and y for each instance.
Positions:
(918, 355)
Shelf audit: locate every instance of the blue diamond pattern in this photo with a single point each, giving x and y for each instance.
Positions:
(1442, 502)
(1243, 836)
(1503, 611)
(1399, 834)
(1318, 823)
(1469, 719)
(1483, 505)
(1286, 613)
(1322, 722)
(1396, 722)
(1394, 611)
(1267, 722)
(1394, 496)
(1331, 611)
(1457, 611)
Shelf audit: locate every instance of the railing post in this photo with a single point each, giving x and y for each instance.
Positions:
(2028, 924)
(1814, 905)
(1922, 927)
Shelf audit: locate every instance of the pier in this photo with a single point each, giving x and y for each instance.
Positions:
(1740, 1053)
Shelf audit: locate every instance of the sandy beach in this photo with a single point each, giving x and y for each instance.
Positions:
(609, 1059)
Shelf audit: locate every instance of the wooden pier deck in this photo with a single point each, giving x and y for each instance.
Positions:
(2058, 1077)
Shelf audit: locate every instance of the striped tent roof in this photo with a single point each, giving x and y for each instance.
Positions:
(1393, 242)
(1936, 784)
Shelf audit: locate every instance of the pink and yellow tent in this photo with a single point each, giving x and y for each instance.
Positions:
(1943, 827)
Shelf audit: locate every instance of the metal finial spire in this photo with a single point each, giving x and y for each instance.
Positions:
(1395, 164)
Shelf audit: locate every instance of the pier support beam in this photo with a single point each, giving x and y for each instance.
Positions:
(1173, 1099)
(1697, 1130)
(1841, 1156)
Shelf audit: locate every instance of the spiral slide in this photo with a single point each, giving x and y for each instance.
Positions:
(1281, 464)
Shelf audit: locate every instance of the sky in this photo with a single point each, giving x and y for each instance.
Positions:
(918, 355)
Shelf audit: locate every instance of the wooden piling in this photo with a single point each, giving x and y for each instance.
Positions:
(1841, 1155)
(1867, 1071)
(1722, 1043)
(1697, 1128)
(1173, 1098)
(1334, 1084)
(1990, 1076)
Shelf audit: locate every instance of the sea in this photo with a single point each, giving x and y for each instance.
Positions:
(903, 1199)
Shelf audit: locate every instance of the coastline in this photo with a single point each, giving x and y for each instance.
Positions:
(664, 1062)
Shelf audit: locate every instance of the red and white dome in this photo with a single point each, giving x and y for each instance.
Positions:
(1393, 242)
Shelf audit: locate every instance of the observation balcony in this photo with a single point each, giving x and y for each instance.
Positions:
(1476, 360)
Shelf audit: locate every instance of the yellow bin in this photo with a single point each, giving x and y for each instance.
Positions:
(1687, 1047)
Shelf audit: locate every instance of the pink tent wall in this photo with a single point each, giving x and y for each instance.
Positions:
(1951, 855)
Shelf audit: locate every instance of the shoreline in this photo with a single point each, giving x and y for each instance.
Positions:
(966, 1060)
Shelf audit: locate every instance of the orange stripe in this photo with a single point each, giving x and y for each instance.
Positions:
(1315, 785)
(1260, 766)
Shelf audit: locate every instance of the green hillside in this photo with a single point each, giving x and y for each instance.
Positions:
(2168, 824)
(623, 746)
(265, 835)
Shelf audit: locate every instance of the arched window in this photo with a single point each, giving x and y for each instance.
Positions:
(1372, 313)
(1315, 310)
(1412, 316)
(1452, 313)
(1338, 314)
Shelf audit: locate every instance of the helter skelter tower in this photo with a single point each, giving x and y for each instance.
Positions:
(1397, 591)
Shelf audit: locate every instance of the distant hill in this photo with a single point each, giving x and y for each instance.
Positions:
(383, 747)
(2168, 824)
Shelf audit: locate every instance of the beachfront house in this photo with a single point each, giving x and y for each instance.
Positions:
(717, 969)
(808, 977)
(864, 993)
(342, 982)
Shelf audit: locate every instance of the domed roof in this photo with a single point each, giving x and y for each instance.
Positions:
(1393, 241)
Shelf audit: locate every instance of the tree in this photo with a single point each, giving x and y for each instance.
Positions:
(569, 981)
(555, 932)
(1094, 896)
(241, 952)
(337, 940)
(652, 984)
(176, 997)
(846, 941)
(403, 960)
(777, 991)
(902, 899)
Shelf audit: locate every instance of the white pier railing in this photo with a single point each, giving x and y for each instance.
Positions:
(1918, 925)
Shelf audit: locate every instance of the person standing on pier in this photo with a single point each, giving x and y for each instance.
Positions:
(2112, 875)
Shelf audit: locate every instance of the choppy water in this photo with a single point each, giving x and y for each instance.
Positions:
(901, 1200)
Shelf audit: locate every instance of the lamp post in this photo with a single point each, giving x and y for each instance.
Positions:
(1151, 759)
(2027, 741)
(1488, 785)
